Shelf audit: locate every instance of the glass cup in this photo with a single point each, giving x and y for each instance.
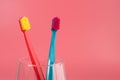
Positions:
(25, 70)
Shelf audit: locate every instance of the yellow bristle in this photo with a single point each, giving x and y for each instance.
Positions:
(25, 23)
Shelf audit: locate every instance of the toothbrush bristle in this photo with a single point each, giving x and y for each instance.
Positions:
(55, 23)
(25, 24)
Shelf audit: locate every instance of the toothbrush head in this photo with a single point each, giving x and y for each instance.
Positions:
(55, 23)
(24, 22)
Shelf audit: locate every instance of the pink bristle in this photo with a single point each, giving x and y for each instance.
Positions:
(55, 23)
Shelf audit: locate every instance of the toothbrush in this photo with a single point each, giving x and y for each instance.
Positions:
(25, 26)
(51, 60)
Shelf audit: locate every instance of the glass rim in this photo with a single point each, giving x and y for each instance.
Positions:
(29, 64)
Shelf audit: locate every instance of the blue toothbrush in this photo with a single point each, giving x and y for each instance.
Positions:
(51, 60)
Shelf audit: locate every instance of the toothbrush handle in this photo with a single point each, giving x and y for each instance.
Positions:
(52, 48)
(34, 60)
(50, 70)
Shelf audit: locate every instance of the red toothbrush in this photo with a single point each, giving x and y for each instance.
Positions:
(25, 26)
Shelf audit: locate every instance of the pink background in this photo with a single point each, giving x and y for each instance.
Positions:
(88, 41)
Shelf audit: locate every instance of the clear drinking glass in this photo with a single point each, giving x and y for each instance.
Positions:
(25, 70)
